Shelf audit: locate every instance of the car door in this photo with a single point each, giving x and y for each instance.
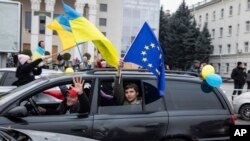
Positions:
(147, 121)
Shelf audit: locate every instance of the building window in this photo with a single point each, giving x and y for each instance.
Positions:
(220, 49)
(214, 15)
(245, 65)
(213, 33)
(42, 22)
(218, 68)
(231, 11)
(247, 26)
(238, 29)
(200, 19)
(28, 21)
(248, 4)
(103, 7)
(237, 48)
(207, 17)
(221, 32)
(102, 22)
(222, 13)
(239, 8)
(229, 48)
(246, 46)
(229, 30)
(104, 33)
(227, 67)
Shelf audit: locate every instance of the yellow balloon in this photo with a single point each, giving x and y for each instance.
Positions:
(69, 70)
(206, 70)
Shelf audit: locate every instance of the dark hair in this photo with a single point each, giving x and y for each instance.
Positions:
(133, 86)
(239, 63)
(248, 71)
(40, 42)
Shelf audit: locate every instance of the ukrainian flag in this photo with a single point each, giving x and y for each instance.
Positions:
(39, 52)
(84, 31)
(61, 26)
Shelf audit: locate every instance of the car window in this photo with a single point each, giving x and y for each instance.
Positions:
(106, 98)
(182, 95)
(153, 101)
(1, 75)
(10, 78)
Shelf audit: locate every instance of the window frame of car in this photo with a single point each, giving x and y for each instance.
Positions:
(43, 86)
(139, 78)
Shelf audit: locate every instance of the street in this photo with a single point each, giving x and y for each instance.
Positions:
(228, 88)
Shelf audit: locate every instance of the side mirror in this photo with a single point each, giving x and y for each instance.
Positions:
(19, 111)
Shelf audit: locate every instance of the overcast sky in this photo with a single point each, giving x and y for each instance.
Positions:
(172, 5)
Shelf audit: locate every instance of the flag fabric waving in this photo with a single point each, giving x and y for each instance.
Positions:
(146, 52)
(61, 26)
(39, 52)
(84, 31)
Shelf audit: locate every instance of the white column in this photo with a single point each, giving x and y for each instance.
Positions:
(48, 32)
(92, 18)
(35, 6)
(79, 7)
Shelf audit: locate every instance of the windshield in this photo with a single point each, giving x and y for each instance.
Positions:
(5, 97)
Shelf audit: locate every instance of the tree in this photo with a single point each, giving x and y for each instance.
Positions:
(203, 45)
(27, 52)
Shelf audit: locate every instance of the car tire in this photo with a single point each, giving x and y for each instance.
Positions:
(175, 139)
(245, 112)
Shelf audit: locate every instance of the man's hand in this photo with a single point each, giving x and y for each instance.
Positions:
(78, 84)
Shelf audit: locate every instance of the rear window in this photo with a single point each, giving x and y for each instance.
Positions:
(182, 95)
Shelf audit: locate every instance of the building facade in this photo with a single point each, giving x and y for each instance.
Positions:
(119, 20)
(229, 25)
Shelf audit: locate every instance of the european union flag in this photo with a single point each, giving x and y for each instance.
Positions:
(146, 52)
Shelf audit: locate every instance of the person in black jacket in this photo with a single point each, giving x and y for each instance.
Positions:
(239, 77)
(76, 101)
(27, 69)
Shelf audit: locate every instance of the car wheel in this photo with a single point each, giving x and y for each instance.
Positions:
(245, 112)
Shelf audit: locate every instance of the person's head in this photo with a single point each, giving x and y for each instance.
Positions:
(103, 63)
(85, 59)
(196, 63)
(41, 44)
(239, 64)
(131, 92)
(22, 58)
(72, 97)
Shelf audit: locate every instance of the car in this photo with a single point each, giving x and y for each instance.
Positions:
(7, 134)
(241, 105)
(185, 113)
(8, 75)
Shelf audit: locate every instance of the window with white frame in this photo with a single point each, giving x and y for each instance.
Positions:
(227, 67)
(207, 17)
(219, 66)
(231, 11)
(229, 30)
(214, 15)
(103, 7)
(228, 48)
(238, 29)
(102, 22)
(213, 33)
(248, 4)
(221, 32)
(247, 26)
(222, 13)
(220, 49)
(246, 46)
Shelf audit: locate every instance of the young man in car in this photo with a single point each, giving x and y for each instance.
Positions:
(76, 101)
(126, 96)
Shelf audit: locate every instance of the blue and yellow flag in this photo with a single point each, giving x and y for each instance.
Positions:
(39, 52)
(146, 52)
(61, 26)
(84, 31)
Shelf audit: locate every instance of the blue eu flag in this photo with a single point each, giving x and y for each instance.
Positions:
(146, 52)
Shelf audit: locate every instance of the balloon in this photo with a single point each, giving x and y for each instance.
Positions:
(214, 80)
(69, 70)
(205, 87)
(206, 70)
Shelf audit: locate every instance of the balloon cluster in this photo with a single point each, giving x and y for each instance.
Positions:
(209, 77)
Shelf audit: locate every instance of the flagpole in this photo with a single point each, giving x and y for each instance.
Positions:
(80, 52)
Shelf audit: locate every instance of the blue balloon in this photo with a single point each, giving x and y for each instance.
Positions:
(214, 80)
